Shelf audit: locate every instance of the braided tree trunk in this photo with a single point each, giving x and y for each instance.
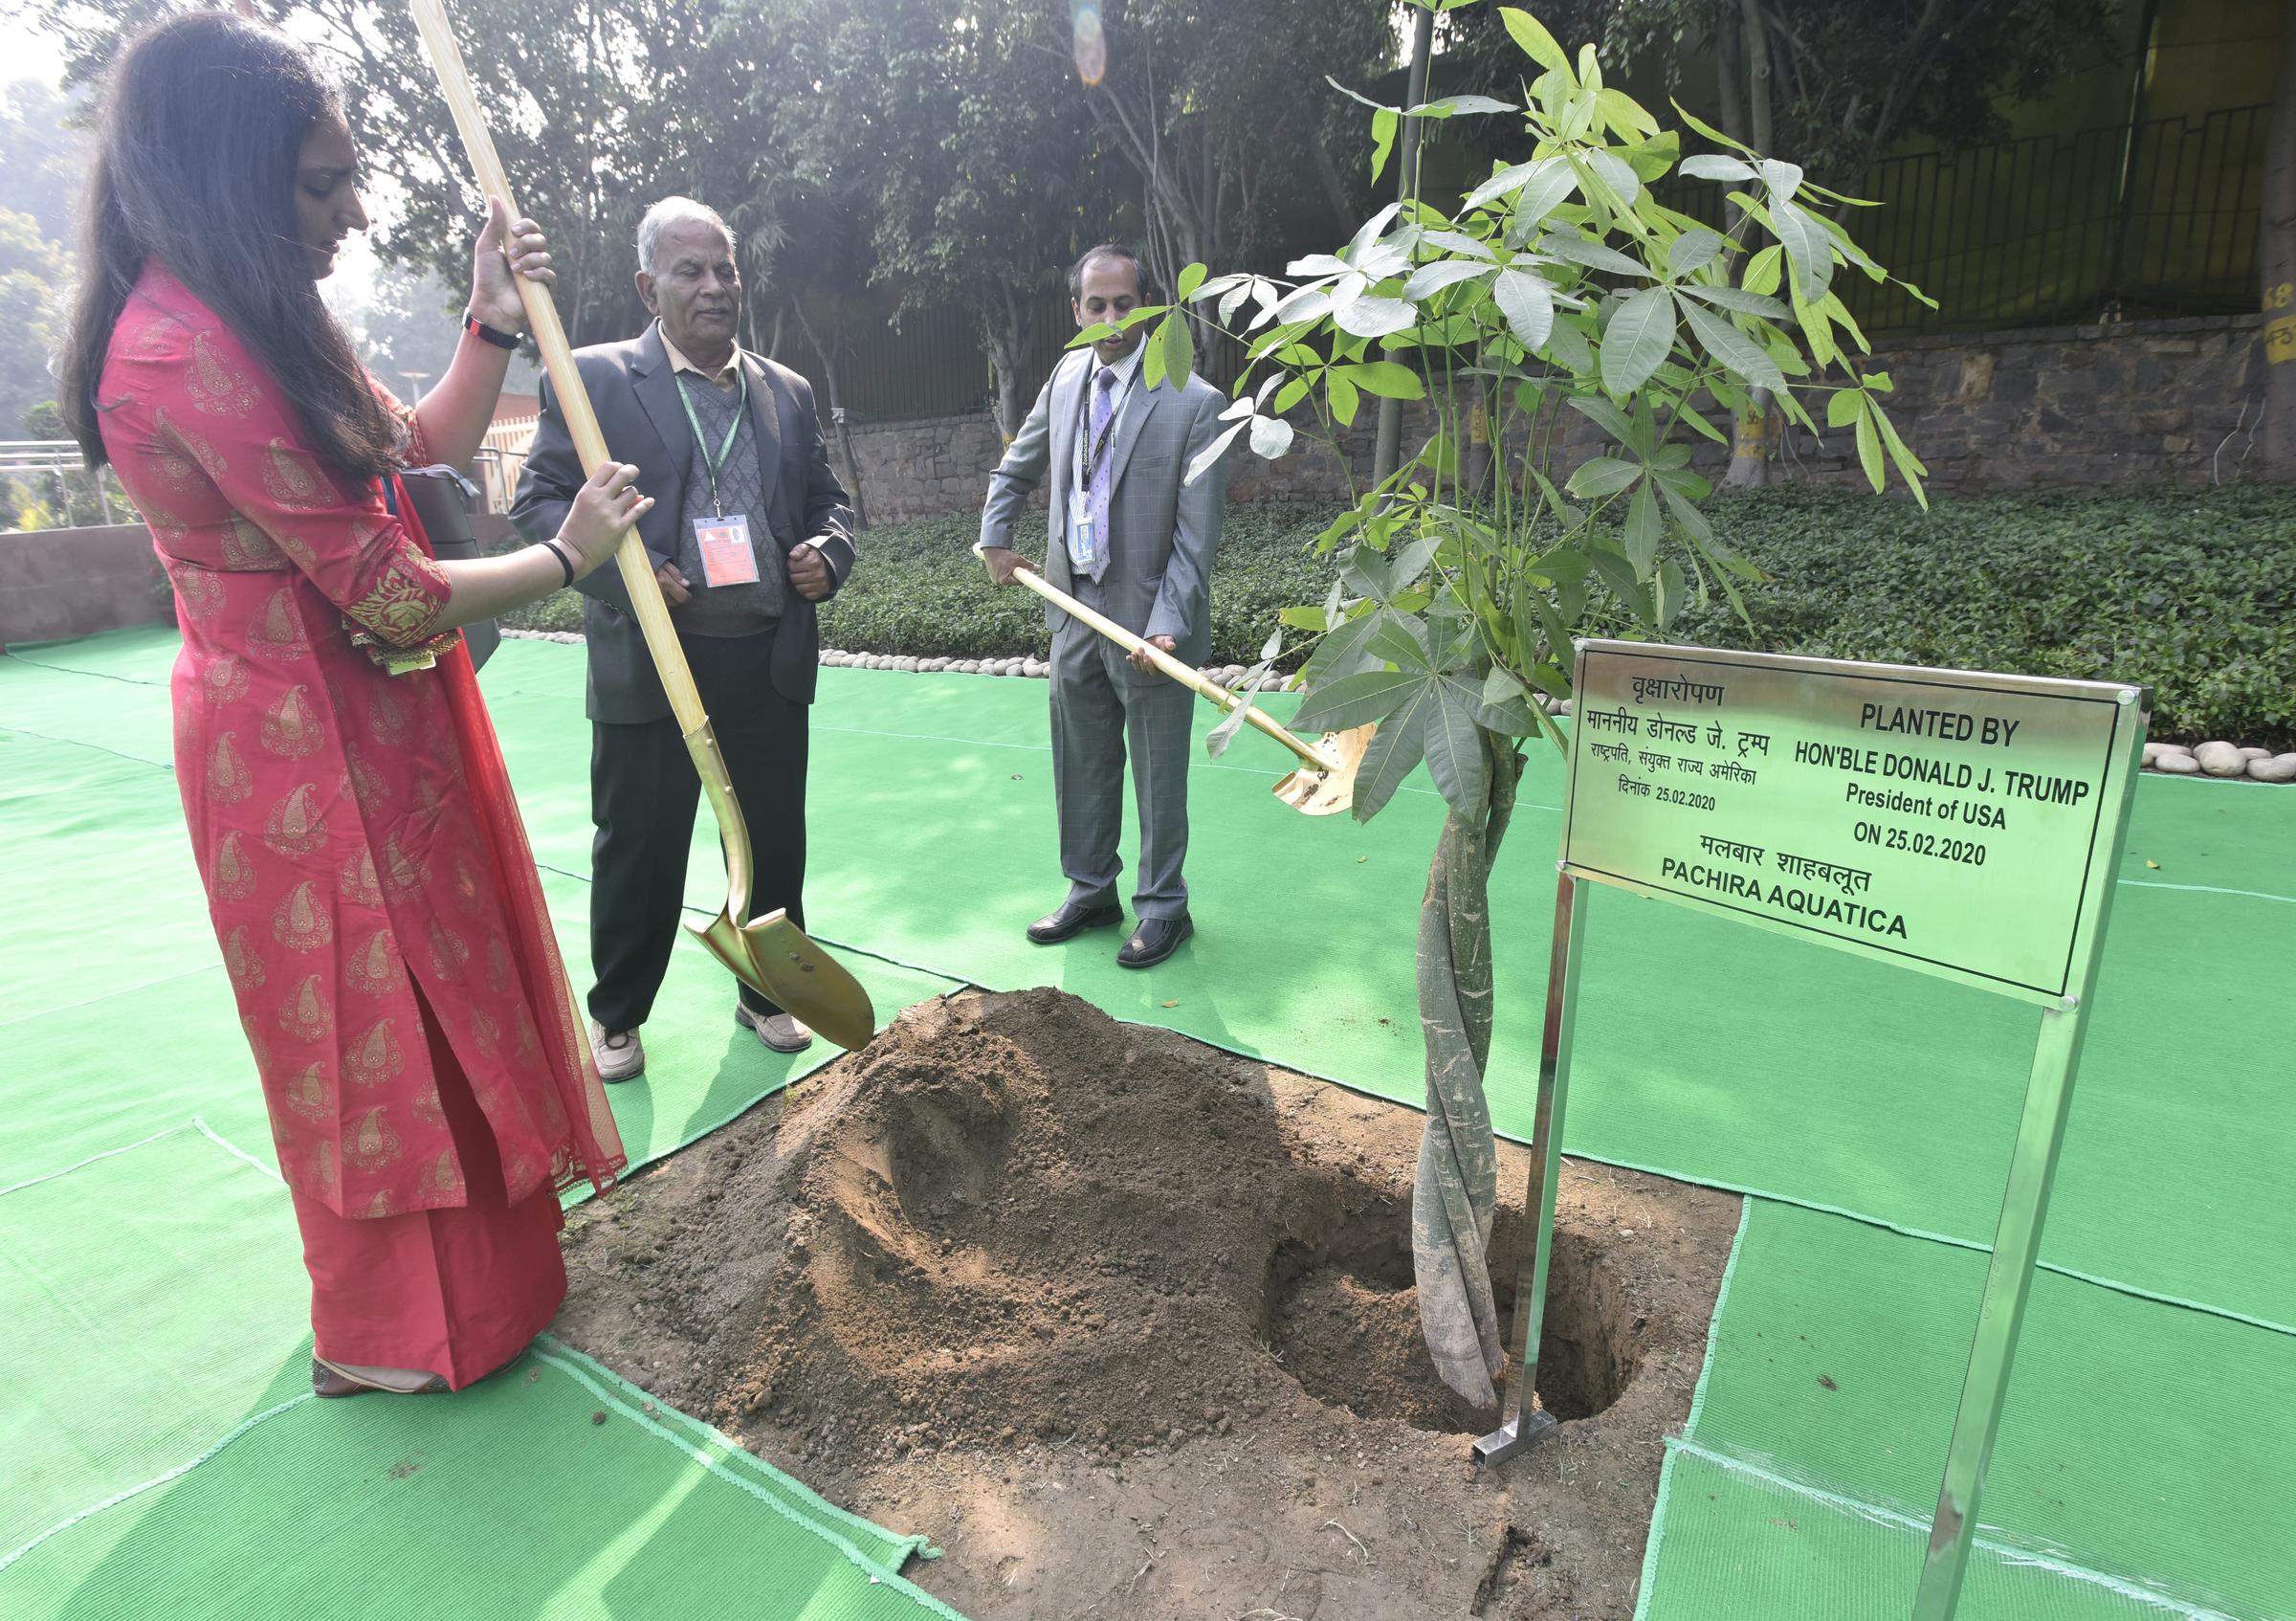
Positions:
(1457, 1189)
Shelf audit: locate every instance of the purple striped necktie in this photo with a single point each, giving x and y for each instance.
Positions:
(1104, 404)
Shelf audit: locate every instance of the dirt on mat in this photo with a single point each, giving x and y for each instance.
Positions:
(1125, 1324)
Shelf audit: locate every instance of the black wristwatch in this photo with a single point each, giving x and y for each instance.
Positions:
(479, 329)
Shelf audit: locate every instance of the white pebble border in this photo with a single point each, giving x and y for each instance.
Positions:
(2221, 760)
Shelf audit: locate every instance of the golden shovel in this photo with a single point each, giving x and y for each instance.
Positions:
(771, 955)
(1325, 783)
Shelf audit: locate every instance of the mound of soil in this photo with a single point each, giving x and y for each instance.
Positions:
(1122, 1321)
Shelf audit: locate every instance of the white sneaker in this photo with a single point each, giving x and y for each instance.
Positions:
(619, 1053)
(780, 1032)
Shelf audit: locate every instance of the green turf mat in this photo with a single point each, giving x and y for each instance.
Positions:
(1714, 1052)
(2139, 1446)
(166, 1445)
(153, 1298)
(94, 867)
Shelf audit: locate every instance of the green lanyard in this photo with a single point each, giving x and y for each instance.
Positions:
(733, 433)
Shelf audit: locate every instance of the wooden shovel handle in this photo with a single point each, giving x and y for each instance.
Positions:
(1185, 674)
(558, 359)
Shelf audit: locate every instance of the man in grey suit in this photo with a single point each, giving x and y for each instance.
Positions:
(1130, 539)
(748, 531)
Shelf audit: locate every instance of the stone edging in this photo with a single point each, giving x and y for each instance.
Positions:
(2222, 760)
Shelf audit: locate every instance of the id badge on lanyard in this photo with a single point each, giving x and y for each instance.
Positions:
(727, 556)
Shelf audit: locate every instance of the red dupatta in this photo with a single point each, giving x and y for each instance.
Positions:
(594, 1152)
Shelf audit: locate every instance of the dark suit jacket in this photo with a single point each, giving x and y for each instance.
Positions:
(636, 396)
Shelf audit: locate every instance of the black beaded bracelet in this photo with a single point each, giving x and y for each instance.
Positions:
(479, 329)
(563, 561)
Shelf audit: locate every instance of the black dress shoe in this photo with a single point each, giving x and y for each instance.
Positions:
(1155, 939)
(1072, 918)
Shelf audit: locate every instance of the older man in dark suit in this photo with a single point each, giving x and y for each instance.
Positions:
(749, 530)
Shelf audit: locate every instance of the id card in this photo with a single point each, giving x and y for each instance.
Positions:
(726, 557)
(1080, 528)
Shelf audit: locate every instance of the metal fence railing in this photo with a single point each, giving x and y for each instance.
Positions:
(47, 483)
(2130, 221)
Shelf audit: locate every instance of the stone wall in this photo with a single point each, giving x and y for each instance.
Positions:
(57, 583)
(2174, 402)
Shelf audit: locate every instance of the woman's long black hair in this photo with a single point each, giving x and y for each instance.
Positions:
(206, 115)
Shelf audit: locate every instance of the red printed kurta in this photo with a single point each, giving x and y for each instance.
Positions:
(328, 803)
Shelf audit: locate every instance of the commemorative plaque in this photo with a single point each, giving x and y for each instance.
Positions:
(1968, 826)
(1958, 823)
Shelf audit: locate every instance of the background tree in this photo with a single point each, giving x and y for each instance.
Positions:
(1183, 97)
(970, 153)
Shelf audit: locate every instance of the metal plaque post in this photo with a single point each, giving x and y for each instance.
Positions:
(2016, 1239)
(1524, 1422)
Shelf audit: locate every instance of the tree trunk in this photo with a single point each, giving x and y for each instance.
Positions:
(831, 353)
(2277, 253)
(1387, 447)
(1750, 433)
(1004, 321)
(1456, 1191)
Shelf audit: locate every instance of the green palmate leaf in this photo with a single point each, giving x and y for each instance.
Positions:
(1341, 653)
(1711, 132)
(1578, 250)
(1547, 191)
(1387, 379)
(1459, 242)
(1623, 581)
(1384, 123)
(1670, 594)
(1643, 530)
(1625, 115)
(1528, 303)
(1342, 397)
(1846, 407)
(1618, 174)
(1536, 41)
(1713, 166)
(1310, 619)
(1694, 522)
(1451, 106)
(1733, 348)
(1694, 251)
(1870, 449)
(1510, 179)
(1808, 249)
(1604, 477)
(1271, 436)
(1618, 424)
(1353, 700)
(1291, 394)
(1178, 345)
(1697, 423)
(1396, 747)
(1212, 453)
(1405, 566)
(1190, 279)
(1272, 648)
(1910, 466)
(1454, 746)
(1744, 302)
(1567, 345)
(1374, 316)
(1401, 641)
(1763, 274)
(1433, 277)
(1638, 340)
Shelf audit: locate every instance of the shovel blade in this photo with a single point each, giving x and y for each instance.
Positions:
(777, 959)
(1313, 792)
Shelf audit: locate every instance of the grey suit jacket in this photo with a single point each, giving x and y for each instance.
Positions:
(636, 396)
(1161, 533)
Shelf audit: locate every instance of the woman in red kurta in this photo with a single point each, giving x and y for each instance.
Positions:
(429, 1090)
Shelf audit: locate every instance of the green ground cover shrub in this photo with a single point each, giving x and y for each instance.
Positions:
(2191, 591)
